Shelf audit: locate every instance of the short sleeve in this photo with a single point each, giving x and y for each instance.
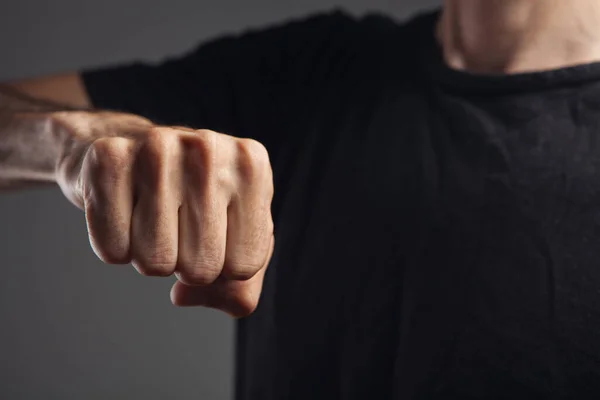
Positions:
(240, 85)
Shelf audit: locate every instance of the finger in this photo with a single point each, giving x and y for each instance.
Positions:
(154, 228)
(108, 198)
(202, 218)
(249, 221)
(236, 298)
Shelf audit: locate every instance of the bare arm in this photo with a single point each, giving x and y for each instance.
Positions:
(30, 139)
(46, 126)
(166, 199)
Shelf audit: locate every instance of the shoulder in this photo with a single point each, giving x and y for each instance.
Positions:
(324, 27)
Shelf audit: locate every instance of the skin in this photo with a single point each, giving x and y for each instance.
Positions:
(517, 36)
(196, 203)
(168, 200)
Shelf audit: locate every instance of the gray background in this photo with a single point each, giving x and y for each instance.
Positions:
(71, 327)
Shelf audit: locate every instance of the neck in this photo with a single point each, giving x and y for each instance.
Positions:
(515, 36)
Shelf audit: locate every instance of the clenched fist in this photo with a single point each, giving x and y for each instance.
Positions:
(172, 200)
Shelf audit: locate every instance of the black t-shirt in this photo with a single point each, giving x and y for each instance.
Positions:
(438, 232)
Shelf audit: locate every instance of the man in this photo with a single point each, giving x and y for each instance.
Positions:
(435, 187)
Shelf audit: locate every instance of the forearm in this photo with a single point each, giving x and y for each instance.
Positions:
(35, 135)
(31, 141)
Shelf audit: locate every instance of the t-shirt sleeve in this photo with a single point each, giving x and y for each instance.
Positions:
(239, 84)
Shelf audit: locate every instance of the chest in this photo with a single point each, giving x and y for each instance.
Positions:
(451, 249)
(510, 274)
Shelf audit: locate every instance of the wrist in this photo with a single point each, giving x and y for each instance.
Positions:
(72, 139)
(75, 131)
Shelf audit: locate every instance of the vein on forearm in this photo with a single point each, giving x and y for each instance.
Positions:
(29, 141)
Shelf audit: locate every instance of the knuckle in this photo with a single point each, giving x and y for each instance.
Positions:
(201, 150)
(112, 147)
(203, 270)
(114, 254)
(242, 270)
(253, 159)
(200, 276)
(160, 141)
(108, 156)
(206, 143)
(154, 269)
(156, 265)
(208, 135)
(158, 132)
(157, 152)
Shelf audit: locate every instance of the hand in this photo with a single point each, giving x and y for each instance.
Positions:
(171, 200)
